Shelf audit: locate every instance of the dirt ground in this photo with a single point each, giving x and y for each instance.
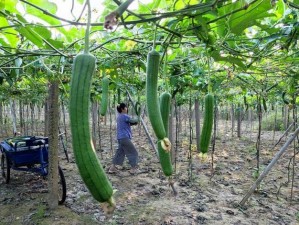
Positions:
(205, 196)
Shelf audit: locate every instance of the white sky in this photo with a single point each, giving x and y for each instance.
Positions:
(64, 9)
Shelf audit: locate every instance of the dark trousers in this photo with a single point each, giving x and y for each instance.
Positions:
(125, 149)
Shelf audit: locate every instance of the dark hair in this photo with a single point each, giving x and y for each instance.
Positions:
(120, 107)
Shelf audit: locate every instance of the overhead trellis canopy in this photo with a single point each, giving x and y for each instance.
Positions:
(250, 36)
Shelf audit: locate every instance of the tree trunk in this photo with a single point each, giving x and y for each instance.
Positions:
(53, 145)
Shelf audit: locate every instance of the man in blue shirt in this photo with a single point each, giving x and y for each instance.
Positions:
(125, 146)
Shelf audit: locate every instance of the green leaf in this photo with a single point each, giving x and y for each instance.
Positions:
(2, 4)
(179, 5)
(55, 43)
(155, 4)
(280, 9)
(30, 35)
(3, 22)
(9, 5)
(8, 36)
(3, 42)
(246, 18)
(42, 31)
(217, 57)
(46, 5)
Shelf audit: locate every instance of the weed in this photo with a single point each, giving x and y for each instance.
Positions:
(39, 214)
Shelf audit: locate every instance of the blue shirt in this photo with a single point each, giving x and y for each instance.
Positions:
(123, 126)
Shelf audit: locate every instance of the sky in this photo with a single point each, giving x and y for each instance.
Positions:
(64, 8)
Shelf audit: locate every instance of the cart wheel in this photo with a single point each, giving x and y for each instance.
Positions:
(5, 168)
(61, 187)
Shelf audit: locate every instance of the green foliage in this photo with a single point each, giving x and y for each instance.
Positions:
(269, 123)
(254, 40)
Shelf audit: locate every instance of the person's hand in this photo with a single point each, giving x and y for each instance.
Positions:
(134, 121)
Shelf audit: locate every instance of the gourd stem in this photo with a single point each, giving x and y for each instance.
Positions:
(165, 72)
(86, 47)
(209, 74)
(154, 42)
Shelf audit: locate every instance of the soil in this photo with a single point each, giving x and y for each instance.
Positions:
(205, 195)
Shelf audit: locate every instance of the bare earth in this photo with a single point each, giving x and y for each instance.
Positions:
(205, 196)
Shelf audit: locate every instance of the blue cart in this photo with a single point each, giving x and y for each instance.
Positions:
(28, 153)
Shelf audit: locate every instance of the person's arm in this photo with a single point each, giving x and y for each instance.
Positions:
(133, 121)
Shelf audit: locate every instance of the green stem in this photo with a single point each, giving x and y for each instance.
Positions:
(155, 34)
(209, 73)
(86, 47)
(165, 71)
(120, 10)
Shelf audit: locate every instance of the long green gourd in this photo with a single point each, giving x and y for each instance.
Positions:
(104, 102)
(86, 159)
(153, 108)
(158, 115)
(207, 124)
(164, 156)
